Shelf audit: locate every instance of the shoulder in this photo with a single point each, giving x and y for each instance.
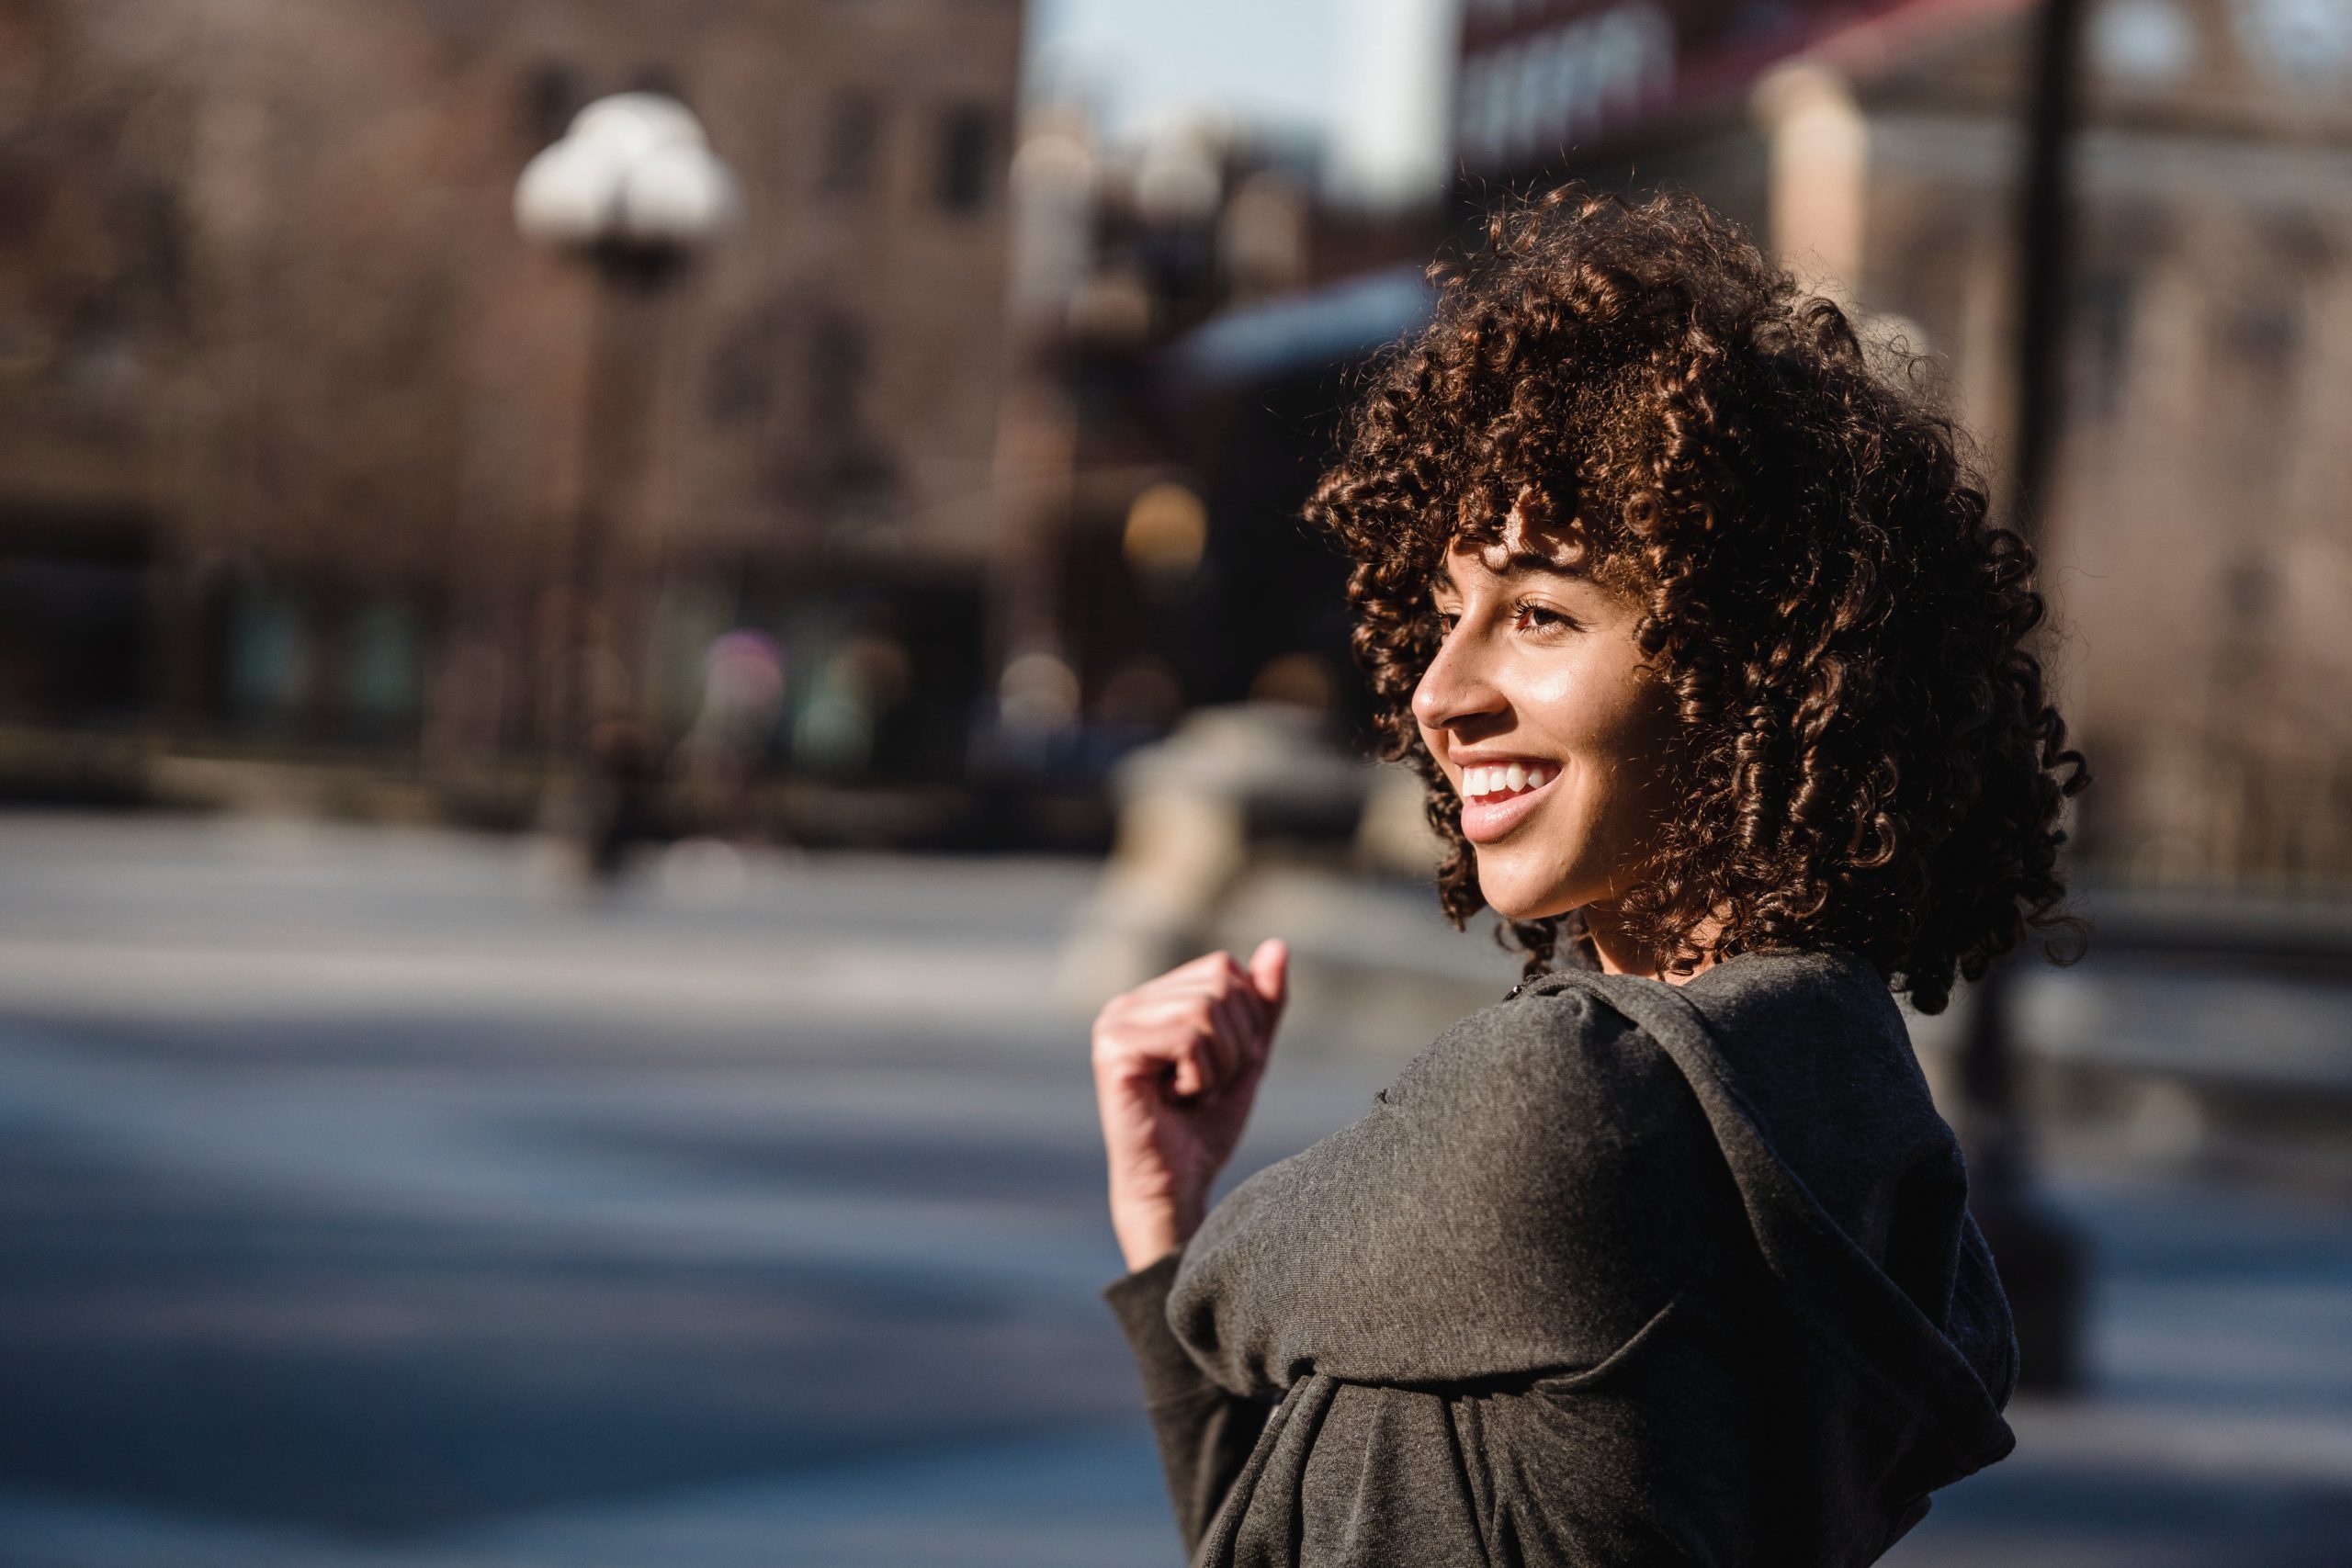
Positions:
(1812, 988)
(1767, 1000)
(1561, 1038)
(1554, 1079)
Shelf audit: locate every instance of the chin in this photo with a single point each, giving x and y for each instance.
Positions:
(1517, 901)
(1542, 911)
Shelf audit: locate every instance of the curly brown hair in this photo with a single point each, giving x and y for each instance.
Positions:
(1872, 763)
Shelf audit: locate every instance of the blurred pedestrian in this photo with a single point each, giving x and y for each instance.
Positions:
(1690, 616)
(743, 697)
(625, 782)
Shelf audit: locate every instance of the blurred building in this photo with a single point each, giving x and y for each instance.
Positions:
(295, 429)
(1187, 306)
(2196, 544)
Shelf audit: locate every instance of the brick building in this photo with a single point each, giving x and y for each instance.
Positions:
(295, 429)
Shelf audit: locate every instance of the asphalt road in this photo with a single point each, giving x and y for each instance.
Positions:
(366, 1200)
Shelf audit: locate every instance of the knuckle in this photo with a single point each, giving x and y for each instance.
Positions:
(1117, 1043)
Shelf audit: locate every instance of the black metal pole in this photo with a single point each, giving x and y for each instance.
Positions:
(626, 280)
(601, 474)
(2045, 213)
(2041, 1257)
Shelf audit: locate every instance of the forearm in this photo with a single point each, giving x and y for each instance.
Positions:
(1205, 1433)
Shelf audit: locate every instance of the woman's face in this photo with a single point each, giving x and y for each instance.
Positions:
(1552, 729)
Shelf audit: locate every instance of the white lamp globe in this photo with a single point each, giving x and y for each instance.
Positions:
(634, 167)
(633, 124)
(676, 194)
(567, 194)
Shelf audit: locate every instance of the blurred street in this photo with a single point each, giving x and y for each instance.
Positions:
(365, 1199)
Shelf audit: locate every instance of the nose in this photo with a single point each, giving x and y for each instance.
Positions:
(1456, 687)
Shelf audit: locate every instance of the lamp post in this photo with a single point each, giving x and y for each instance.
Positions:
(2043, 1258)
(633, 189)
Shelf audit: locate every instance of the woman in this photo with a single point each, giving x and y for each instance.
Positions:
(1685, 609)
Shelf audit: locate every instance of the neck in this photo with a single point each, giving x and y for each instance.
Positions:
(1620, 954)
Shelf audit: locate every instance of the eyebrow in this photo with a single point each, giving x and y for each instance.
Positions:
(1533, 560)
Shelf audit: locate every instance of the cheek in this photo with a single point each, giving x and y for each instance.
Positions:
(1599, 715)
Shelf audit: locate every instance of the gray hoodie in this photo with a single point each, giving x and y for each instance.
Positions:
(1615, 1272)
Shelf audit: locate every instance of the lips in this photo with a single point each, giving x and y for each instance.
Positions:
(1487, 816)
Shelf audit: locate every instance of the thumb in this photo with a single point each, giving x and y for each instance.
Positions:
(1270, 973)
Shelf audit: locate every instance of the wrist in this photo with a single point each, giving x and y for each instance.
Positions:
(1150, 1227)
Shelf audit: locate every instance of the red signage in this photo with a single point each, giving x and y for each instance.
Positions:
(1539, 77)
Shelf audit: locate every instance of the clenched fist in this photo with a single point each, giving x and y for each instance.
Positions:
(1177, 1062)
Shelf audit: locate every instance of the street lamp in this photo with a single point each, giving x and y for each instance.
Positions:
(634, 176)
(633, 189)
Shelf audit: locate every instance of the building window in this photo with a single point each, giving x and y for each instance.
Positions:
(551, 98)
(382, 668)
(836, 367)
(2105, 302)
(267, 667)
(2258, 334)
(852, 135)
(966, 155)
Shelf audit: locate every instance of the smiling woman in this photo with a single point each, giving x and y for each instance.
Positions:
(1695, 626)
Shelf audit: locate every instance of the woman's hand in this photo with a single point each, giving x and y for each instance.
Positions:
(1177, 1062)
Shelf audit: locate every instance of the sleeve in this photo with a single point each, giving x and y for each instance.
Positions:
(1205, 1433)
(1527, 1194)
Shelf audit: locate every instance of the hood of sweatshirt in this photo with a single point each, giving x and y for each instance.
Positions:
(1855, 1191)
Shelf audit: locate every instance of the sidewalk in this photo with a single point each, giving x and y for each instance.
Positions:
(360, 1209)
(2217, 1431)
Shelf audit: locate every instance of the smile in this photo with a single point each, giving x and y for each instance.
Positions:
(1494, 798)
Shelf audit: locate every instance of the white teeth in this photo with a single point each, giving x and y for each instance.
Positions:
(1502, 780)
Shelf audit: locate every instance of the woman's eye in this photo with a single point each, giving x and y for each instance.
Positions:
(1539, 618)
